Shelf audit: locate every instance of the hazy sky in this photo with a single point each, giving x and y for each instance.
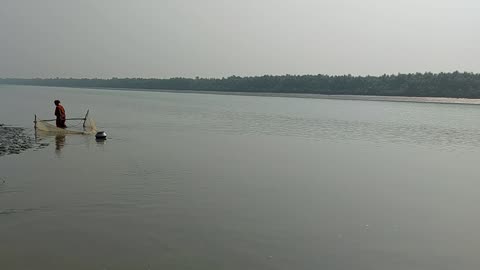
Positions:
(214, 38)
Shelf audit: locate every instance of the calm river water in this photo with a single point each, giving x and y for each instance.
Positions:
(200, 181)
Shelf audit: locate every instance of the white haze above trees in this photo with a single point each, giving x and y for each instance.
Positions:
(215, 38)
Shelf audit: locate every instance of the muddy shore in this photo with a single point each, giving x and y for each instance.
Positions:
(14, 140)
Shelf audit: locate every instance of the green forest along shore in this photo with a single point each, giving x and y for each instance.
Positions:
(453, 84)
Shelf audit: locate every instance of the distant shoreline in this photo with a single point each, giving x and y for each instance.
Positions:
(436, 100)
(411, 99)
(455, 85)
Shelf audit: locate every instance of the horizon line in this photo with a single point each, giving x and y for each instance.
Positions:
(237, 76)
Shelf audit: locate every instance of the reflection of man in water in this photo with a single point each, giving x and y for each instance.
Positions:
(59, 142)
(60, 114)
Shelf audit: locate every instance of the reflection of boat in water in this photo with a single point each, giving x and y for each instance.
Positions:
(84, 125)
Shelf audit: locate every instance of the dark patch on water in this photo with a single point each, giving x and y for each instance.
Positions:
(16, 211)
(15, 140)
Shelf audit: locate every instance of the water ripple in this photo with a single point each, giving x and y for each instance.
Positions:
(337, 129)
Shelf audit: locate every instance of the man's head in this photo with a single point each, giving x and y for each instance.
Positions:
(56, 102)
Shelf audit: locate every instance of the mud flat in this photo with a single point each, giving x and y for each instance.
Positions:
(14, 140)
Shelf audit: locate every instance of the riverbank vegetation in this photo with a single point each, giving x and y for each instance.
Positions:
(453, 84)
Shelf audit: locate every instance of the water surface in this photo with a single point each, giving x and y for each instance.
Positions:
(198, 181)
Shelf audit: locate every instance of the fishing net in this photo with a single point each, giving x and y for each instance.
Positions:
(86, 126)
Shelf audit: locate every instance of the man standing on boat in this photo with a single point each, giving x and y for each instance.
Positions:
(60, 114)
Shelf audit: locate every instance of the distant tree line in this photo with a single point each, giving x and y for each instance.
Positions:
(453, 84)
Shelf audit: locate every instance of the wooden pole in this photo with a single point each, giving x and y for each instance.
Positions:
(85, 120)
(35, 129)
(51, 120)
